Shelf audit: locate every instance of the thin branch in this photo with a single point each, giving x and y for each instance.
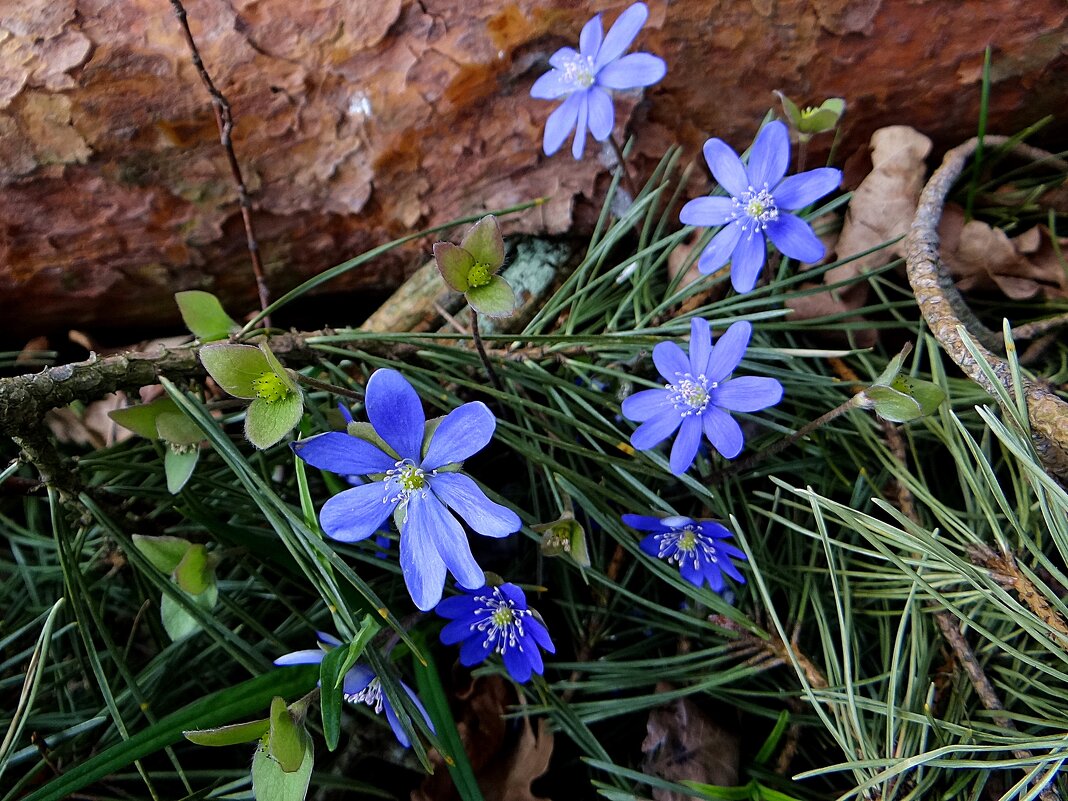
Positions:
(224, 119)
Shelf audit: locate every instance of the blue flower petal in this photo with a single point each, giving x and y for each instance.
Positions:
(700, 345)
(707, 211)
(729, 350)
(464, 497)
(474, 649)
(671, 361)
(395, 412)
(343, 454)
(633, 71)
(514, 594)
(748, 259)
(309, 657)
(357, 679)
(532, 655)
(561, 122)
(517, 664)
(591, 37)
(327, 638)
(643, 522)
(456, 631)
(456, 606)
(394, 723)
(723, 432)
(464, 432)
(427, 513)
(650, 544)
(690, 573)
(719, 251)
(655, 430)
(726, 167)
(540, 634)
(769, 156)
(602, 116)
(578, 145)
(423, 569)
(621, 34)
(355, 514)
(713, 577)
(647, 403)
(794, 238)
(562, 57)
(798, 191)
(345, 412)
(686, 444)
(710, 528)
(552, 85)
(418, 705)
(747, 394)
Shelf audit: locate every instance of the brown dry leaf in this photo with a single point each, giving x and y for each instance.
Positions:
(881, 209)
(683, 743)
(982, 258)
(504, 765)
(91, 426)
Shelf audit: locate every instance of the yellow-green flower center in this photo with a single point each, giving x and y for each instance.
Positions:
(411, 478)
(479, 275)
(270, 387)
(688, 541)
(503, 616)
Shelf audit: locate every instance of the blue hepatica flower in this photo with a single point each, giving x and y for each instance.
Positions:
(696, 546)
(586, 76)
(699, 395)
(414, 481)
(760, 198)
(496, 620)
(361, 685)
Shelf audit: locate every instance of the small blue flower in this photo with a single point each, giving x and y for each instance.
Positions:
(759, 198)
(696, 546)
(415, 482)
(698, 395)
(586, 77)
(496, 620)
(361, 685)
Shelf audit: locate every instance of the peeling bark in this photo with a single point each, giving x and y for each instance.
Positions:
(359, 121)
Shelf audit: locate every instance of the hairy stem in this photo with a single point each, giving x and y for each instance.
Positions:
(493, 377)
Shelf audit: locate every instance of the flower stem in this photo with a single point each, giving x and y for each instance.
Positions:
(326, 387)
(756, 458)
(628, 182)
(493, 377)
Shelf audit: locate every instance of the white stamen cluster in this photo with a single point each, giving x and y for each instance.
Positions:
(687, 543)
(500, 621)
(403, 480)
(578, 71)
(370, 695)
(690, 395)
(755, 208)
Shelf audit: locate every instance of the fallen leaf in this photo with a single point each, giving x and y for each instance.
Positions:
(683, 743)
(89, 425)
(506, 756)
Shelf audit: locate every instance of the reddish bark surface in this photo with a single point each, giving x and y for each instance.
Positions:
(359, 121)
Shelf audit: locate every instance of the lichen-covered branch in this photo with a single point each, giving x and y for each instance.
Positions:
(945, 309)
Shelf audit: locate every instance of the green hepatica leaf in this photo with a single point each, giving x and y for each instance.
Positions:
(789, 107)
(454, 263)
(268, 422)
(892, 405)
(204, 315)
(163, 552)
(928, 396)
(234, 734)
(141, 419)
(178, 466)
(284, 742)
(271, 783)
(893, 367)
(484, 243)
(177, 622)
(495, 299)
(367, 433)
(235, 367)
(195, 573)
(175, 427)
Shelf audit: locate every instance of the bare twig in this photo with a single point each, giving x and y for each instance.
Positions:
(224, 119)
(945, 309)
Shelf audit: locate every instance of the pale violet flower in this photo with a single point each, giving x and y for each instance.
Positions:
(585, 78)
(758, 206)
(696, 547)
(699, 395)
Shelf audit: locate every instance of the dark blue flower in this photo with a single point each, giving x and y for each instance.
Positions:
(361, 685)
(496, 620)
(586, 77)
(698, 395)
(696, 546)
(759, 197)
(414, 481)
